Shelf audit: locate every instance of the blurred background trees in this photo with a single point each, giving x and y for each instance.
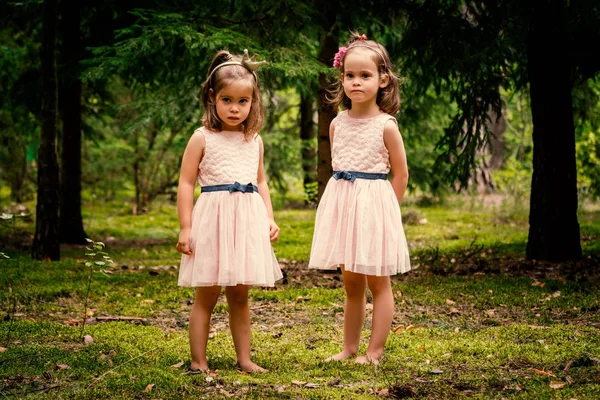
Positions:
(129, 75)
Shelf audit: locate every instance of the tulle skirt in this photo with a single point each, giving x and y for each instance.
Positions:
(230, 243)
(359, 225)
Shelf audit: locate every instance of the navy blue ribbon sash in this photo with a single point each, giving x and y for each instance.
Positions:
(231, 187)
(352, 175)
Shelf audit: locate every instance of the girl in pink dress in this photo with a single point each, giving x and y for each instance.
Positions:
(358, 224)
(225, 240)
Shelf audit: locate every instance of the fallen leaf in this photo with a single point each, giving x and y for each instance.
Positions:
(569, 379)
(456, 329)
(556, 294)
(383, 392)
(557, 385)
(448, 301)
(2, 349)
(436, 371)
(149, 387)
(311, 385)
(178, 365)
(299, 383)
(88, 339)
(334, 382)
(63, 366)
(209, 379)
(280, 389)
(538, 283)
(454, 310)
(399, 328)
(410, 327)
(225, 392)
(568, 366)
(490, 313)
(148, 301)
(542, 372)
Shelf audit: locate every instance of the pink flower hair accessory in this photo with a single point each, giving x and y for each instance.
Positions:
(362, 37)
(339, 56)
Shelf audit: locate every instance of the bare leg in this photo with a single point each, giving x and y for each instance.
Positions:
(206, 298)
(383, 314)
(354, 313)
(239, 323)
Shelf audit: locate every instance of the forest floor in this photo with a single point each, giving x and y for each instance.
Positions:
(474, 319)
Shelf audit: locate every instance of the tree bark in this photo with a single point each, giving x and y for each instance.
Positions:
(71, 222)
(497, 127)
(46, 244)
(553, 226)
(329, 46)
(307, 135)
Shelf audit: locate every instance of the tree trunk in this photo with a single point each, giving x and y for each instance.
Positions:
(497, 127)
(45, 243)
(553, 225)
(71, 222)
(329, 46)
(307, 135)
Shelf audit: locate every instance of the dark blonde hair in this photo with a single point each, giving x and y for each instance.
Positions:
(388, 98)
(218, 80)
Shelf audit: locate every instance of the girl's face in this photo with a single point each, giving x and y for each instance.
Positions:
(361, 79)
(233, 103)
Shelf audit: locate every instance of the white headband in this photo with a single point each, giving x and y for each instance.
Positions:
(247, 62)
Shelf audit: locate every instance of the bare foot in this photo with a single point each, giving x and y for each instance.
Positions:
(199, 367)
(367, 359)
(340, 356)
(251, 368)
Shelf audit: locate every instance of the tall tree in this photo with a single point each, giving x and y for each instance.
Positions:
(71, 223)
(46, 244)
(329, 39)
(553, 225)
(307, 135)
(469, 49)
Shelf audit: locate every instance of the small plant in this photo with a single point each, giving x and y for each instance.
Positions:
(97, 259)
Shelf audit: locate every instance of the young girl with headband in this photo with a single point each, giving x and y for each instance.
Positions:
(225, 240)
(358, 224)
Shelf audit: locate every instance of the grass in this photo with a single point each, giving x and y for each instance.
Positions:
(474, 320)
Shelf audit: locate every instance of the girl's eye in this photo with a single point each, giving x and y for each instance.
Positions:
(365, 76)
(225, 100)
(243, 101)
(349, 76)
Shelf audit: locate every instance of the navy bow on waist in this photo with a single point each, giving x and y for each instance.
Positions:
(344, 175)
(238, 187)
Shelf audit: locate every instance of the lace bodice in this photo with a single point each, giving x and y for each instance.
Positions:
(358, 144)
(228, 157)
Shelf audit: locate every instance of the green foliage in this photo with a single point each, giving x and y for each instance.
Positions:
(588, 163)
(97, 260)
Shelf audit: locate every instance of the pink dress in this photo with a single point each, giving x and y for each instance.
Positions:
(358, 224)
(230, 231)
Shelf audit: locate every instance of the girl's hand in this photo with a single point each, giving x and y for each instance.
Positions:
(273, 230)
(183, 243)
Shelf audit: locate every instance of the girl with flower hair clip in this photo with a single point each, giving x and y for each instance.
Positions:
(225, 239)
(358, 224)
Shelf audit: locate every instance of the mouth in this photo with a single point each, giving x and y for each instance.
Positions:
(234, 118)
(356, 91)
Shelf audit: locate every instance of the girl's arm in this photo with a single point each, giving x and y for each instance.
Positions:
(393, 142)
(331, 132)
(263, 190)
(185, 191)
